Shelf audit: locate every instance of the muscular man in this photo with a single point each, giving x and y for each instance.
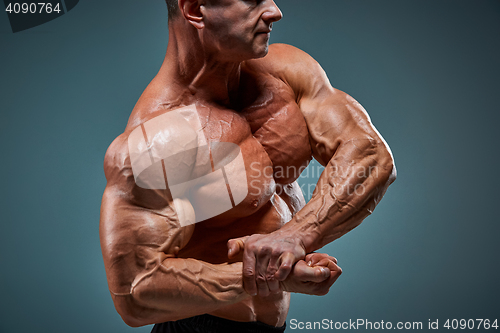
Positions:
(202, 221)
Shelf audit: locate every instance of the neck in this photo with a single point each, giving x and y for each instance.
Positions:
(195, 71)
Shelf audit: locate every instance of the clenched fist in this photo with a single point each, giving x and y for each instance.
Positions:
(277, 262)
(313, 276)
(267, 260)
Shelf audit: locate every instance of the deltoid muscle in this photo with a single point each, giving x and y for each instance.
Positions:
(204, 179)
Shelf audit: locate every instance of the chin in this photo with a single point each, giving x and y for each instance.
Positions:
(262, 52)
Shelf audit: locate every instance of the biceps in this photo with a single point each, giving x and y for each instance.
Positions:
(334, 118)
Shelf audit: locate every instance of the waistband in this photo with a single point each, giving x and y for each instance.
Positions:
(208, 323)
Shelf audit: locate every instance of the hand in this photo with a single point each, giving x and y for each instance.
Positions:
(313, 276)
(267, 260)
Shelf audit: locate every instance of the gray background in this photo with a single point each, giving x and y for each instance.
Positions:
(426, 71)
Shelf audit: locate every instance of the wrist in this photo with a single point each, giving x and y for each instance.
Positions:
(306, 235)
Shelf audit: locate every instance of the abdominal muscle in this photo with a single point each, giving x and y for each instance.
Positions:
(209, 243)
(271, 310)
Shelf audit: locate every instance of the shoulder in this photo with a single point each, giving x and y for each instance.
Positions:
(288, 55)
(117, 168)
(280, 56)
(293, 66)
(166, 139)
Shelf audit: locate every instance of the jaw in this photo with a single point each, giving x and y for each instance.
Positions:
(257, 47)
(262, 47)
(253, 51)
(262, 52)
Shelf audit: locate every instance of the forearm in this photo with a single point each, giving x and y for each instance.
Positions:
(349, 188)
(182, 288)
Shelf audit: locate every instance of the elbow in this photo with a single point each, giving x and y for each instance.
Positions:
(393, 174)
(381, 165)
(133, 314)
(385, 175)
(388, 166)
(132, 321)
(130, 312)
(140, 309)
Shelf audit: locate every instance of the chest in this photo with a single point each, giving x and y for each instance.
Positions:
(270, 115)
(276, 121)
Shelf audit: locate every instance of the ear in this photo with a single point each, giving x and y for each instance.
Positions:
(191, 10)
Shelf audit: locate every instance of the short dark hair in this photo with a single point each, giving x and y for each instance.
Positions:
(173, 8)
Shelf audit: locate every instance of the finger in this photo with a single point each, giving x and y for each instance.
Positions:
(329, 258)
(272, 268)
(235, 246)
(309, 257)
(313, 258)
(333, 266)
(262, 268)
(315, 274)
(249, 273)
(287, 260)
(326, 262)
(324, 287)
(335, 272)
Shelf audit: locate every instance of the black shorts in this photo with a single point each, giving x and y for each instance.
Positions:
(211, 324)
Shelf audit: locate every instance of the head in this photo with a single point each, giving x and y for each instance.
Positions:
(173, 8)
(234, 30)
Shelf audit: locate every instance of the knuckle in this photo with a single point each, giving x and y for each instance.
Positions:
(286, 266)
(270, 277)
(265, 250)
(248, 272)
(284, 270)
(251, 247)
(260, 279)
(276, 253)
(271, 271)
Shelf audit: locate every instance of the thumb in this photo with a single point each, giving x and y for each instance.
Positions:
(235, 246)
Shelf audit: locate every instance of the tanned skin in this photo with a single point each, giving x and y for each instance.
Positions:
(276, 103)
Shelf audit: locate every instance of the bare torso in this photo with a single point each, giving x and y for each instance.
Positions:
(161, 265)
(271, 132)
